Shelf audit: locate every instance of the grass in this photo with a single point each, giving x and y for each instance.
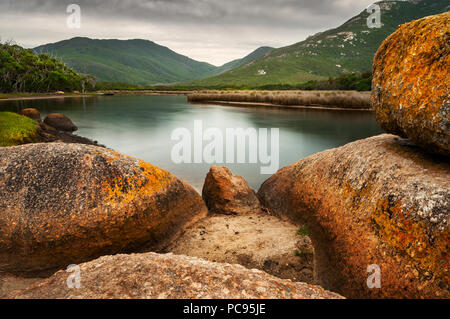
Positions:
(344, 99)
(303, 231)
(16, 129)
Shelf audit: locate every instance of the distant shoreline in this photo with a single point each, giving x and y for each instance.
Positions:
(43, 96)
(193, 97)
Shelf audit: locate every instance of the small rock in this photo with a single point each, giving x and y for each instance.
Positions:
(32, 113)
(60, 122)
(225, 193)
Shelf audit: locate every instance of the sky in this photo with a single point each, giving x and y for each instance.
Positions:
(214, 31)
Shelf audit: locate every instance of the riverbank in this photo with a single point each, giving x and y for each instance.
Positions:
(41, 96)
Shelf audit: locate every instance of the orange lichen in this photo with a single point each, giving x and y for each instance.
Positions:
(411, 237)
(404, 234)
(411, 82)
(362, 192)
(145, 181)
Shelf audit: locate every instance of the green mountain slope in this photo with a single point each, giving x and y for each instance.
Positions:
(139, 62)
(131, 61)
(346, 49)
(237, 63)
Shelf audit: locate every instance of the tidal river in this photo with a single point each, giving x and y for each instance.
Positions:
(143, 127)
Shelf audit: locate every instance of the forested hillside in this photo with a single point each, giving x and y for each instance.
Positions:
(23, 71)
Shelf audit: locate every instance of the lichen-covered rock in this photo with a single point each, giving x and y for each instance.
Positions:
(151, 276)
(379, 201)
(411, 83)
(68, 203)
(60, 122)
(32, 113)
(225, 193)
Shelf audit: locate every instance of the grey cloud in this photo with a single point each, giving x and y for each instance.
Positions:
(283, 12)
(229, 24)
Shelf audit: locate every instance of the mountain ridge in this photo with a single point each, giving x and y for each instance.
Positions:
(135, 61)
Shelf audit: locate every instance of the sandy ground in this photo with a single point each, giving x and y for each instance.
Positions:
(256, 240)
(9, 283)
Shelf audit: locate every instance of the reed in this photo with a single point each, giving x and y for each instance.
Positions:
(338, 99)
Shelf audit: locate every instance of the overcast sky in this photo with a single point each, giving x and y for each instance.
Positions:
(215, 31)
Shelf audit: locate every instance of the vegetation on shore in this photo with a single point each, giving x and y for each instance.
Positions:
(16, 129)
(23, 71)
(346, 82)
(335, 99)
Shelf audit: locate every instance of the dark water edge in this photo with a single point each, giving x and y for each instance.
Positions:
(141, 126)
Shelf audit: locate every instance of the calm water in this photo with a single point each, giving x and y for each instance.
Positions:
(141, 126)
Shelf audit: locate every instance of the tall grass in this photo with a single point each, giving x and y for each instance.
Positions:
(338, 99)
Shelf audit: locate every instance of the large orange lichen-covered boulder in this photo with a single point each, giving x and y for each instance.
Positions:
(67, 203)
(379, 201)
(411, 83)
(151, 276)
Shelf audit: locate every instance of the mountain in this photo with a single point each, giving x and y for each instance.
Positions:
(131, 61)
(139, 62)
(346, 49)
